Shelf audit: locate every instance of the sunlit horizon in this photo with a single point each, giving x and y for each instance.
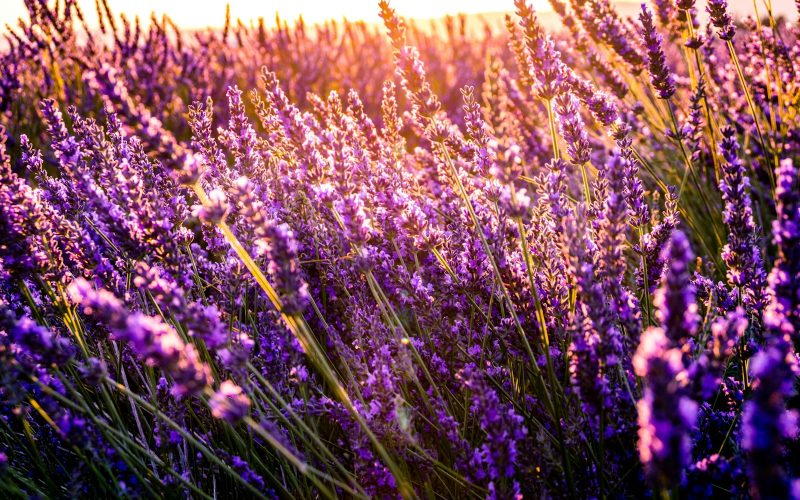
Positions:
(192, 14)
(188, 14)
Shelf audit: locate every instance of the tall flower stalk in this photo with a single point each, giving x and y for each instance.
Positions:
(667, 412)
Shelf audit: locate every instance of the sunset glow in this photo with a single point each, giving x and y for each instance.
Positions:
(198, 14)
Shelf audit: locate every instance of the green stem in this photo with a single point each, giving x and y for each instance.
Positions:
(302, 332)
(752, 107)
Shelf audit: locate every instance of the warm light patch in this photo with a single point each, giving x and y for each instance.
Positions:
(197, 14)
(202, 13)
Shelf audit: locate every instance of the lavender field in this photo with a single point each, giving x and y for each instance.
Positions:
(470, 259)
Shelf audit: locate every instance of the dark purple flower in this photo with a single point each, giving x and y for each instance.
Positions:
(742, 253)
(708, 370)
(666, 412)
(660, 74)
(718, 12)
(766, 423)
(41, 342)
(498, 458)
(676, 307)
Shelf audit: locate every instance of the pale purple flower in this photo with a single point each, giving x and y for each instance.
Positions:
(216, 209)
(155, 342)
(229, 403)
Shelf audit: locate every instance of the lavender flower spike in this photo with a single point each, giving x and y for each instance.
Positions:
(675, 298)
(660, 75)
(782, 314)
(157, 343)
(742, 253)
(766, 420)
(571, 127)
(718, 14)
(666, 411)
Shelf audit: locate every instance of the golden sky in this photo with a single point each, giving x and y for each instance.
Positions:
(202, 13)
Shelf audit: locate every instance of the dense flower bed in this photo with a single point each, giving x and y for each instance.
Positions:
(409, 262)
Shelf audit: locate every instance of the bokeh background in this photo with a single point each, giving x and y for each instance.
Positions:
(199, 14)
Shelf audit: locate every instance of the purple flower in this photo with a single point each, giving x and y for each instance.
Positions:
(660, 75)
(676, 307)
(693, 128)
(217, 208)
(782, 313)
(571, 127)
(612, 230)
(634, 189)
(409, 67)
(709, 368)
(276, 242)
(476, 132)
(201, 321)
(653, 243)
(545, 61)
(154, 341)
(516, 205)
(666, 412)
(766, 423)
(604, 25)
(458, 306)
(718, 12)
(41, 343)
(497, 459)
(190, 170)
(597, 346)
(229, 403)
(742, 253)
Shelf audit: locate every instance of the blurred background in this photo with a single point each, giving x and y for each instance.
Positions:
(199, 14)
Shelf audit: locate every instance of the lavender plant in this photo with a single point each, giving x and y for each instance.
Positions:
(481, 258)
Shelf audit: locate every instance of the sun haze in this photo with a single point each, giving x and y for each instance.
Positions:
(194, 14)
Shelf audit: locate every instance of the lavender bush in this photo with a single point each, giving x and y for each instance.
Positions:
(494, 261)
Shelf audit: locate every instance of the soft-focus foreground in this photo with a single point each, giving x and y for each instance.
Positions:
(474, 261)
